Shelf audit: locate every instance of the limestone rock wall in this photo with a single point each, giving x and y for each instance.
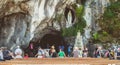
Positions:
(23, 20)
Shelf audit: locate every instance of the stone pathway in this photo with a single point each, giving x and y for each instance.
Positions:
(61, 61)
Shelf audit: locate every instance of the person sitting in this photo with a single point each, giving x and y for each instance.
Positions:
(6, 54)
(26, 56)
(54, 53)
(97, 52)
(47, 53)
(11, 54)
(118, 54)
(85, 52)
(61, 54)
(40, 53)
(18, 53)
(112, 55)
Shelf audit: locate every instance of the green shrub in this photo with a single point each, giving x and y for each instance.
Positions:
(110, 13)
(72, 31)
(110, 23)
(81, 23)
(96, 36)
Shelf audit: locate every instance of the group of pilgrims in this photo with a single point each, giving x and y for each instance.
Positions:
(52, 53)
(18, 53)
(75, 52)
(6, 54)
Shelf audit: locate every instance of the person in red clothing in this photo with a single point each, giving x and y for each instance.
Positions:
(26, 56)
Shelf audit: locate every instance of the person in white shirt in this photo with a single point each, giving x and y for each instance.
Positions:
(18, 52)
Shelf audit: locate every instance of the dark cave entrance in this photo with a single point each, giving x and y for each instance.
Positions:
(46, 42)
(52, 39)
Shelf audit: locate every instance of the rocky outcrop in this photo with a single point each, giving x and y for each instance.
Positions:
(94, 9)
(22, 21)
(25, 20)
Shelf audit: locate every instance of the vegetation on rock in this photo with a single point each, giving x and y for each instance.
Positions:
(79, 25)
(110, 24)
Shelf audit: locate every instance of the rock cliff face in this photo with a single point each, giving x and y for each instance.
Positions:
(94, 9)
(24, 20)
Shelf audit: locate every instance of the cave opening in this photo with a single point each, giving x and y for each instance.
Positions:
(46, 42)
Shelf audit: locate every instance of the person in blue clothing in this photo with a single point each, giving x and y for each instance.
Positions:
(69, 50)
(61, 47)
(40, 53)
(118, 54)
(97, 53)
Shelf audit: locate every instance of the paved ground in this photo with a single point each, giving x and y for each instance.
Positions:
(61, 61)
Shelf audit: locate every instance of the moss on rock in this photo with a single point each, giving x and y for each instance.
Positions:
(110, 23)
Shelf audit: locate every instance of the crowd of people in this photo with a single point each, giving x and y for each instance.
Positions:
(51, 53)
(6, 54)
(75, 52)
(110, 53)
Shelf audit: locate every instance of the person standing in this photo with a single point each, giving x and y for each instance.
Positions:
(80, 53)
(69, 50)
(61, 47)
(76, 52)
(31, 47)
(53, 52)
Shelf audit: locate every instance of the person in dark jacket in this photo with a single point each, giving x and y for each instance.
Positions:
(52, 52)
(6, 54)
